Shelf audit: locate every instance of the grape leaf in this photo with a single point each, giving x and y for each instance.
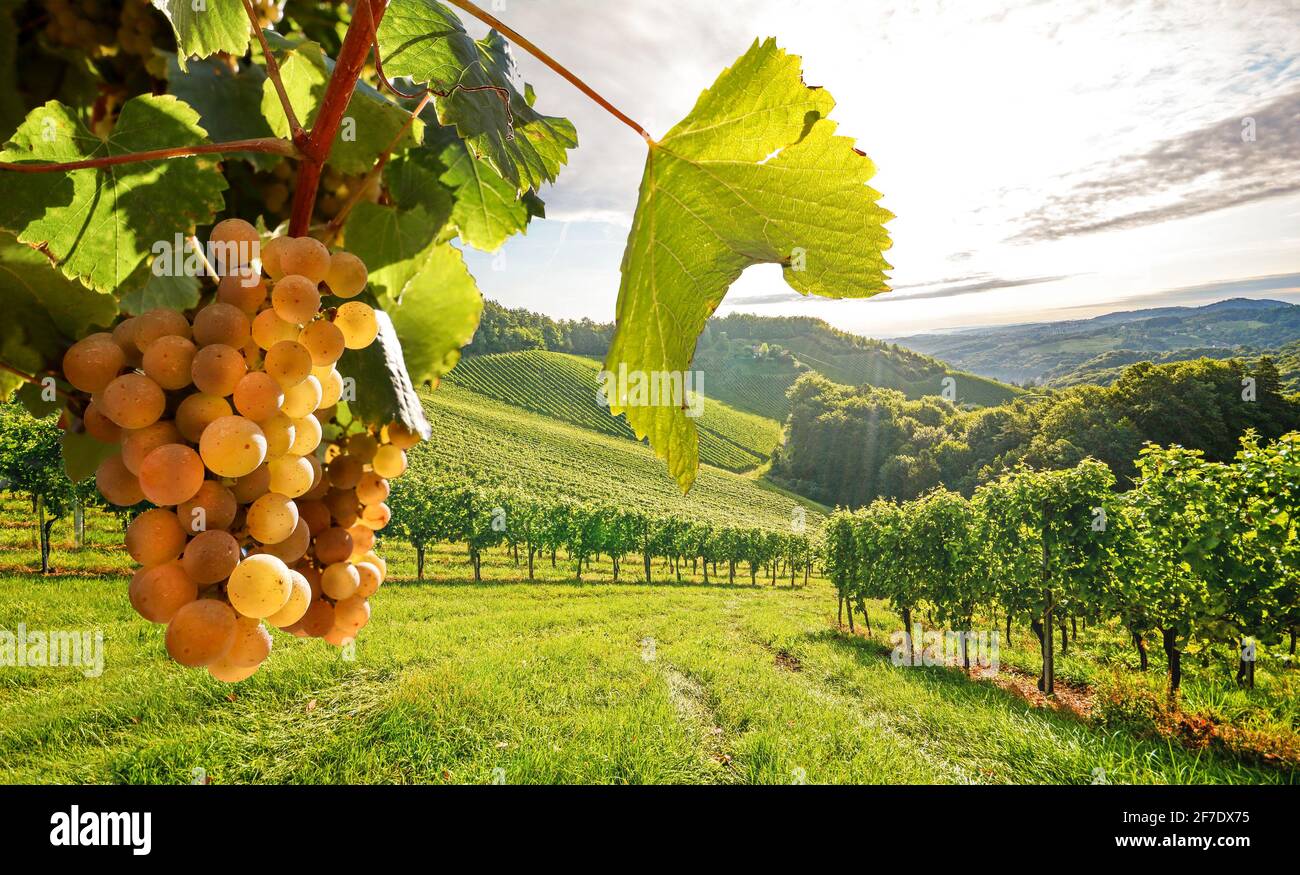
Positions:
(82, 455)
(99, 224)
(438, 313)
(425, 42)
(370, 123)
(488, 209)
(384, 392)
(205, 27)
(51, 310)
(229, 103)
(754, 175)
(162, 292)
(392, 243)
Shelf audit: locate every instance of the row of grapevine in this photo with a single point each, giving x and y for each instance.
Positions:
(1204, 555)
(427, 512)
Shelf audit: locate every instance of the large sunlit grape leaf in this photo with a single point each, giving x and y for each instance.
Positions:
(424, 41)
(205, 27)
(100, 224)
(370, 123)
(754, 175)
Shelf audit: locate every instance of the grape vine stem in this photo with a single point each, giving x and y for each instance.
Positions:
(28, 378)
(273, 73)
(528, 46)
(269, 145)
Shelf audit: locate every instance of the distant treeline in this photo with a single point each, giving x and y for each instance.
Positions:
(849, 446)
(503, 330)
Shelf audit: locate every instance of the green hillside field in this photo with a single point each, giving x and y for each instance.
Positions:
(564, 387)
(478, 438)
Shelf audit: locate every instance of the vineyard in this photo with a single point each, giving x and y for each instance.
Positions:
(480, 441)
(564, 387)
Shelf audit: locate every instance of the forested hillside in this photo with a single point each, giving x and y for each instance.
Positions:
(1043, 352)
(849, 446)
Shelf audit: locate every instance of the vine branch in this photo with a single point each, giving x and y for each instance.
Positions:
(273, 73)
(28, 378)
(525, 44)
(270, 145)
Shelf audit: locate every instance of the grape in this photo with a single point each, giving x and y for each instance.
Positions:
(352, 614)
(305, 256)
(197, 412)
(331, 382)
(302, 399)
(220, 323)
(259, 586)
(363, 540)
(91, 364)
(124, 335)
(168, 362)
(288, 363)
(155, 537)
(362, 447)
(389, 462)
(218, 506)
(372, 489)
(339, 636)
(258, 397)
(210, 557)
(280, 433)
(340, 580)
(292, 548)
(347, 275)
(295, 299)
(324, 341)
(319, 619)
(402, 437)
(138, 444)
(343, 506)
(159, 323)
(171, 474)
(272, 518)
(218, 369)
(233, 446)
(316, 515)
(229, 673)
(253, 486)
(236, 290)
(271, 257)
(345, 472)
(333, 546)
(118, 485)
(133, 401)
(358, 323)
(252, 644)
(380, 564)
(158, 593)
(307, 436)
(370, 579)
(299, 601)
(201, 632)
(291, 476)
(233, 244)
(269, 329)
(376, 516)
(100, 427)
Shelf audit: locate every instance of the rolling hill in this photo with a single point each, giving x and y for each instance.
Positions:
(1050, 351)
(563, 387)
(480, 439)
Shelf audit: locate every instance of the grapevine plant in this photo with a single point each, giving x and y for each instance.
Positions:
(230, 250)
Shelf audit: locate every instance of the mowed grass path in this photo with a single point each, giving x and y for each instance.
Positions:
(538, 683)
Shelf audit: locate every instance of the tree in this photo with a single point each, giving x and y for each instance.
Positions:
(31, 462)
(420, 516)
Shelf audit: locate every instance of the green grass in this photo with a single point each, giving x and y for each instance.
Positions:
(564, 387)
(477, 438)
(548, 682)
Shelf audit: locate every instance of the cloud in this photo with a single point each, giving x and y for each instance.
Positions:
(1234, 161)
(946, 288)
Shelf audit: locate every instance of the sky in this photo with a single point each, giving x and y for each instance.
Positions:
(1045, 160)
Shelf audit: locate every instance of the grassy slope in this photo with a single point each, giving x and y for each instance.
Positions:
(476, 437)
(564, 387)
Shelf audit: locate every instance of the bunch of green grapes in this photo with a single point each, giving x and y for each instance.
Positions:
(218, 417)
(269, 12)
(106, 29)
